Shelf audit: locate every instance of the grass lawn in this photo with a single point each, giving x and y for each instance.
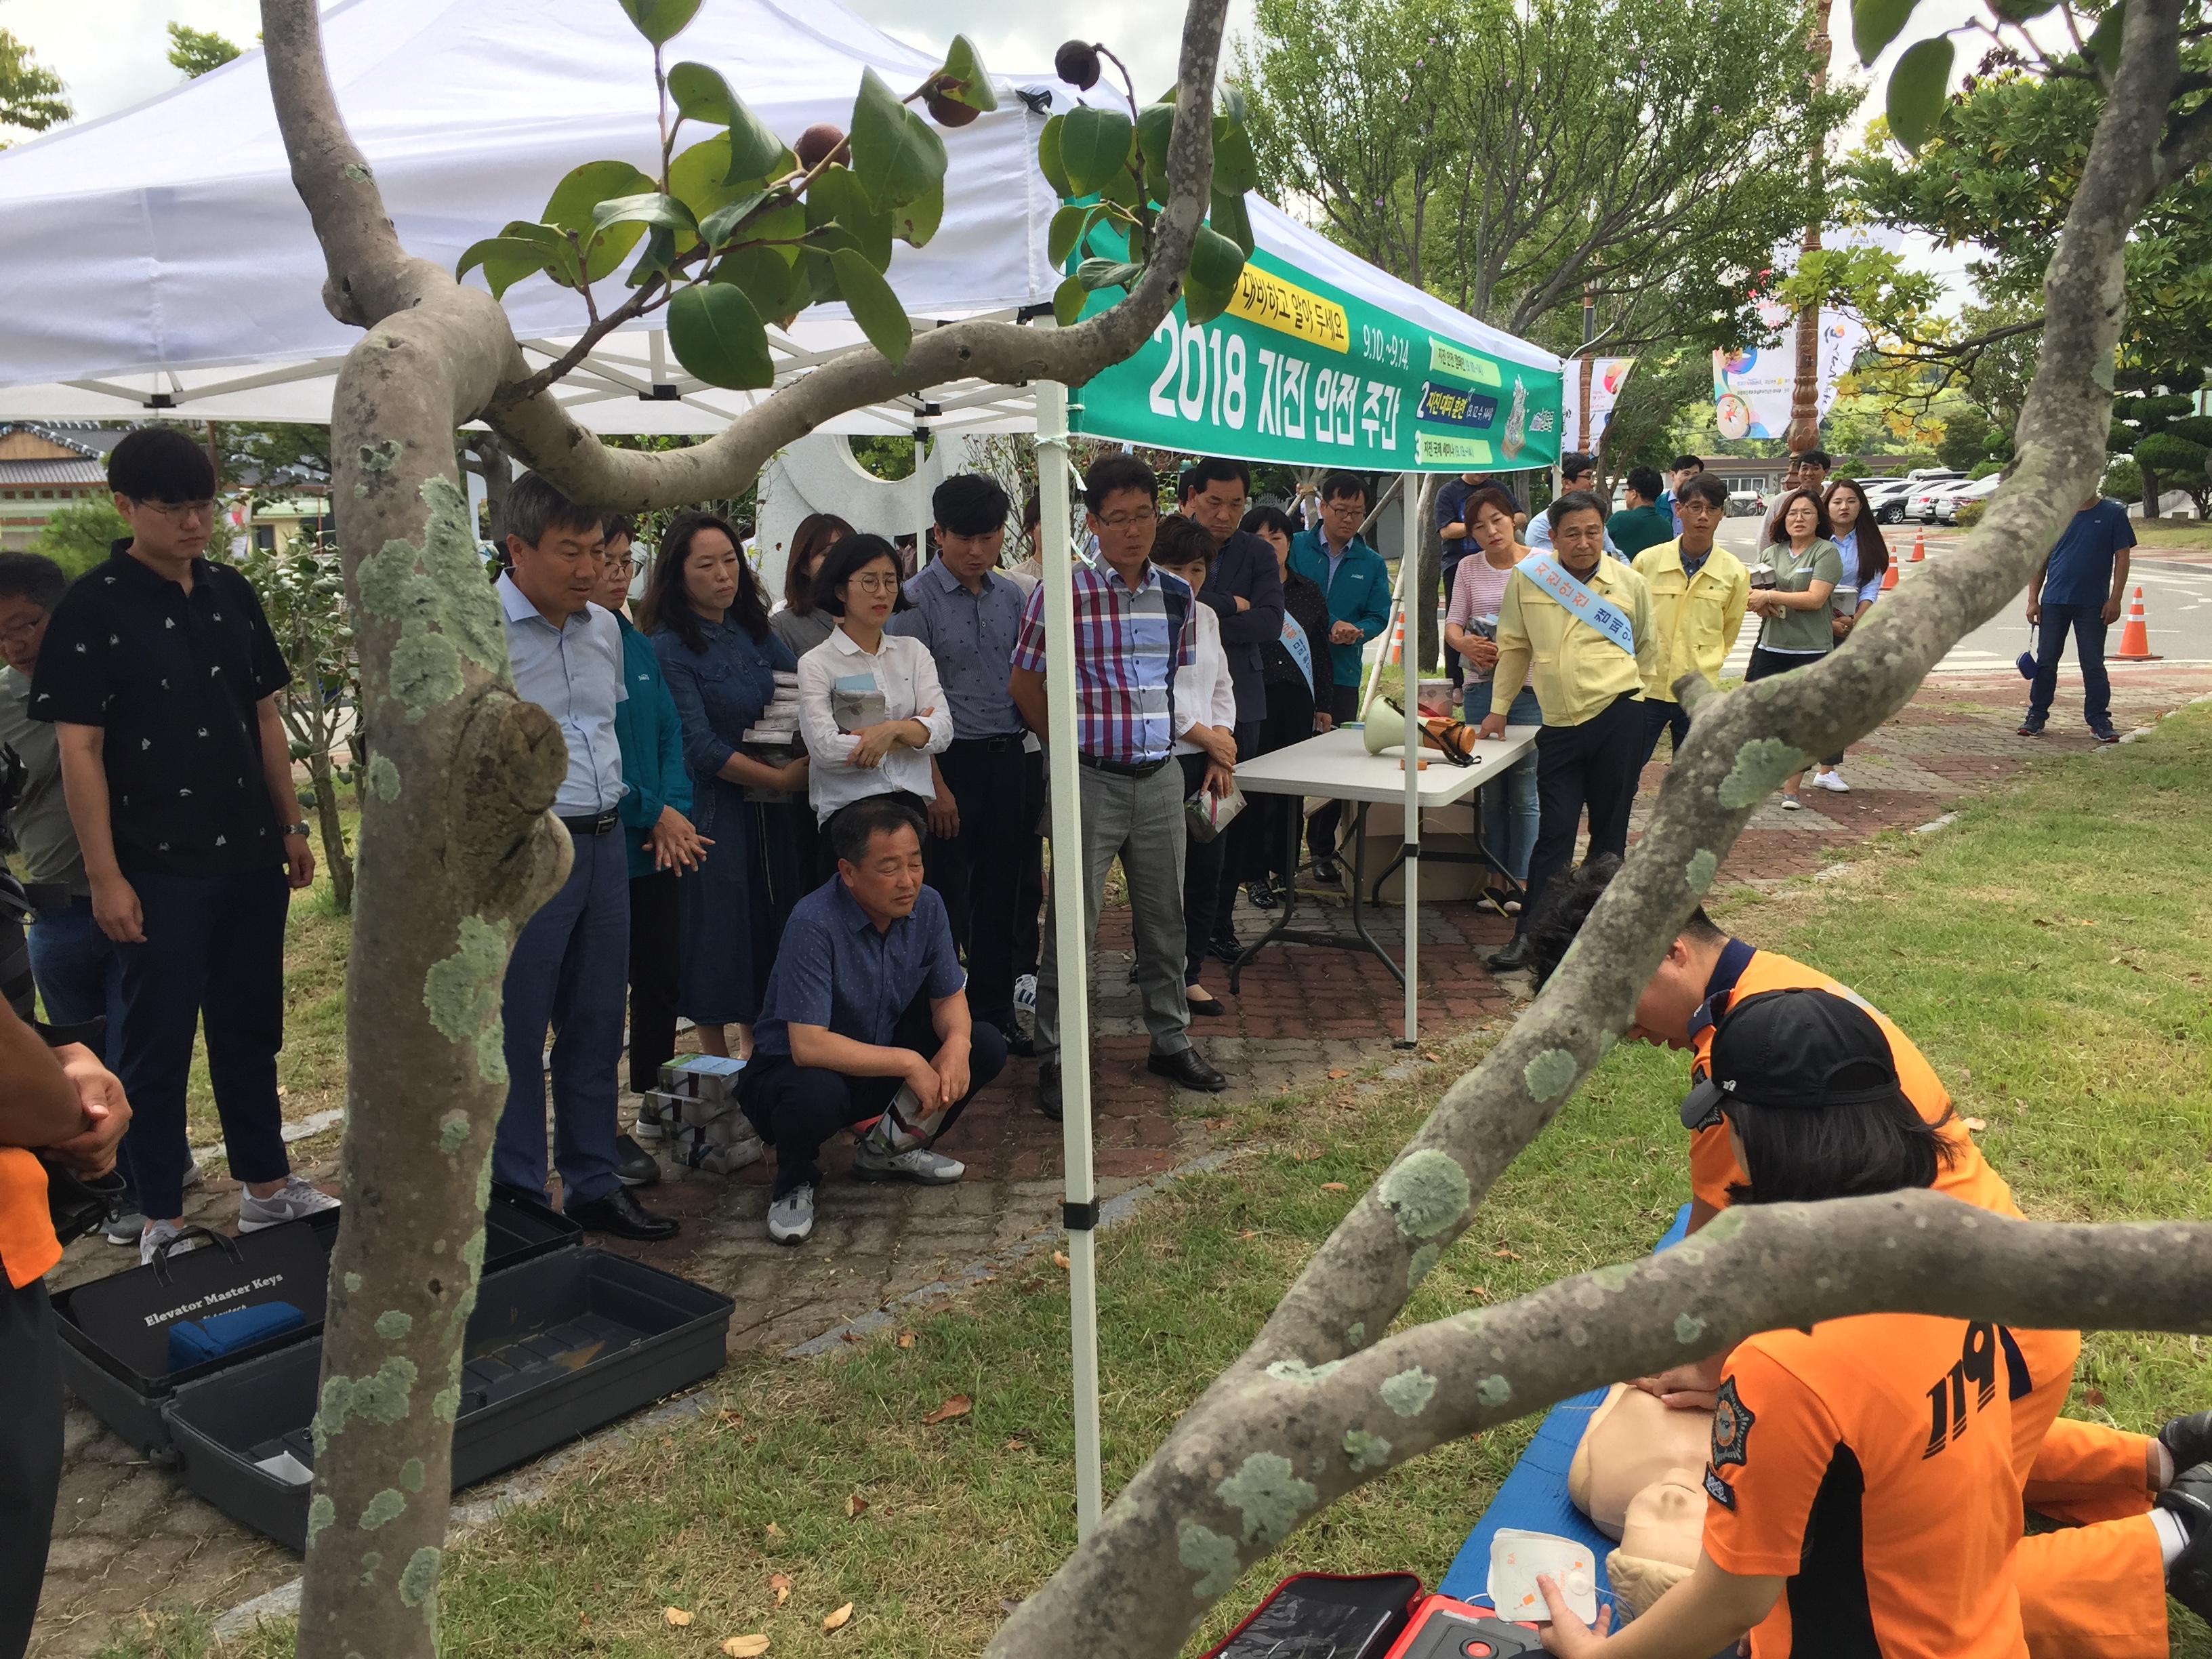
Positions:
(2049, 952)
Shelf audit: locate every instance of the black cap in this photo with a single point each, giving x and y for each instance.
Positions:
(1803, 1048)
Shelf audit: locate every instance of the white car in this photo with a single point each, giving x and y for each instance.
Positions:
(1925, 504)
(1947, 506)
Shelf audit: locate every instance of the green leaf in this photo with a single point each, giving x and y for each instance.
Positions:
(647, 208)
(778, 287)
(1124, 187)
(1235, 167)
(1155, 124)
(1067, 301)
(1065, 232)
(1915, 92)
(661, 21)
(836, 196)
(964, 78)
(1094, 146)
(1875, 23)
(701, 94)
(896, 155)
(659, 253)
(506, 259)
(756, 153)
(2020, 11)
(1216, 262)
(1201, 304)
(1049, 158)
(917, 221)
(717, 335)
(874, 306)
(2104, 41)
(717, 227)
(573, 199)
(1134, 235)
(1233, 219)
(1108, 273)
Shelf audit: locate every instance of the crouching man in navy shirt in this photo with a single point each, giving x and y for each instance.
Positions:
(866, 1024)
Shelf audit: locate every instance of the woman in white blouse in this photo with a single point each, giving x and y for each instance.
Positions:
(895, 713)
(1205, 743)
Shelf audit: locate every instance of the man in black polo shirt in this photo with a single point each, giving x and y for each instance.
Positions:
(161, 676)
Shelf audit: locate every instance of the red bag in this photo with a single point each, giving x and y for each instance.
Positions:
(1324, 1615)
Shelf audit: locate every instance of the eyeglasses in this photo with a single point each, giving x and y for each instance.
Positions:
(1129, 520)
(620, 567)
(180, 512)
(875, 584)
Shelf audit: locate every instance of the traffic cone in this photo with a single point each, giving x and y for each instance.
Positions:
(1919, 546)
(2135, 638)
(1889, 577)
(1397, 650)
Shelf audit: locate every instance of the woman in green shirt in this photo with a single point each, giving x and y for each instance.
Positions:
(1794, 629)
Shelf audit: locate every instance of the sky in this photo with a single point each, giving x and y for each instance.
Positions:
(113, 53)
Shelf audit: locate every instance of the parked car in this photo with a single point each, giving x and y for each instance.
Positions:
(1948, 505)
(1926, 503)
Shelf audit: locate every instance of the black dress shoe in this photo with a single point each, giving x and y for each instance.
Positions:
(634, 1165)
(1513, 957)
(1210, 1007)
(1187, 1070)
(2188, 1440)
(2189, 1499)
(1049, 1089)
(623, 1216)
(1326, 872)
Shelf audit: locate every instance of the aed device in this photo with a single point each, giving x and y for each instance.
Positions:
(1442, 1628)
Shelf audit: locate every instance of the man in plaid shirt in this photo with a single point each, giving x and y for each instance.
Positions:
(1132, 630)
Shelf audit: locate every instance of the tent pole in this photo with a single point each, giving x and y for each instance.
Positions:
(1408, 589)
(1056, 558)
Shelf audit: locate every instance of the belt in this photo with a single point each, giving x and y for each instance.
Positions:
(1125, 768)
(605, 824)
(1003, 743)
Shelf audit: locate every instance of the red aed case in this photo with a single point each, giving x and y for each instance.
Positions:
(1444, 1629)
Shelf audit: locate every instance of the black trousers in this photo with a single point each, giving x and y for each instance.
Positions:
(1029, 905)
(1202, 865)
(656, 974)
(1764, 665)
(1592, 766)
(30, 1455)
(1343, 704)
(796, 1107)
(978, 873)
(1659, 715)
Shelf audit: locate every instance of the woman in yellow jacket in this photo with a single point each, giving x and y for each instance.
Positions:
(1698, 593)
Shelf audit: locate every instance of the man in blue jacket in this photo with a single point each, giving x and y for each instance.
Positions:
(661, 842)
(1358, 584)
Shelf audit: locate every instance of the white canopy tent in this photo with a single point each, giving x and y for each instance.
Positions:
(159, 262)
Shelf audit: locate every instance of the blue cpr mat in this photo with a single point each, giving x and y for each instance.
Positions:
(1534, 1496)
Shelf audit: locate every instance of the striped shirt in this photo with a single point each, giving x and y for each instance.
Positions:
(1127, 650)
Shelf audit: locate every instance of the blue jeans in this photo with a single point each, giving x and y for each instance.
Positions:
(80, 978)
(570, 967)
(1509, 806)
(213, 957)
(2086, 623)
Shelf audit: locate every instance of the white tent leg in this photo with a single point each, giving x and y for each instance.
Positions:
(1073, 967)
(1411, 870)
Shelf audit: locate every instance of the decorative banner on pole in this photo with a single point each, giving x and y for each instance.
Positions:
(1753, 389)
(1606, 376)
(1301, 372)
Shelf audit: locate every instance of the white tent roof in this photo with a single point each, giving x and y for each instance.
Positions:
(160, 257)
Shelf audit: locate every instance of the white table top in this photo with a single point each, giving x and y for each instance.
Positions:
(1337, 764)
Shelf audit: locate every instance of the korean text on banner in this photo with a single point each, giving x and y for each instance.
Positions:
(1297, 371)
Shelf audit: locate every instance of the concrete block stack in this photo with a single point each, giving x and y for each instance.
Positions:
(697, 1103)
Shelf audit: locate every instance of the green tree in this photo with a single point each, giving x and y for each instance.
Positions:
(197, 51)
(1503, 155)
(77, 537)
(1966, 435)
(31, 96)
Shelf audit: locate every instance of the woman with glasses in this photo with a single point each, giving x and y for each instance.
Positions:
(870, 706)
(1794, 629)
(709, 624)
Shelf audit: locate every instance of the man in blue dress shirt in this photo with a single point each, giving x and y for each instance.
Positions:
(570, 963)
(969, 615)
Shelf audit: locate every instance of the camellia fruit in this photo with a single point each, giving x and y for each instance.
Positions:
(950, 113)
(1077, 64)
(818, 144)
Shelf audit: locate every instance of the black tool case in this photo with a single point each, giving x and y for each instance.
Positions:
(564, 1339)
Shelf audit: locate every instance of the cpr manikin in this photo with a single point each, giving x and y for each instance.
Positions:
(1637, 1475)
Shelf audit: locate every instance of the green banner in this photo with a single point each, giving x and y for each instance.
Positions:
(1299, 372)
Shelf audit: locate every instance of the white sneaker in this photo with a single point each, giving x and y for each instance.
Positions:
(1025, 993)
(1832, 782)
(652, 1124)
(791, 1218)
(871, 1163)
(294, 1201)
(160, 1233)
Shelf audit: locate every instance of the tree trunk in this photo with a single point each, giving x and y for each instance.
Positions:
(1804, 394)
(2151, 492)
(336, 858)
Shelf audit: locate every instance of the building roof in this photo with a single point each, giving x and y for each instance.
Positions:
(15, 474)
(83, 437)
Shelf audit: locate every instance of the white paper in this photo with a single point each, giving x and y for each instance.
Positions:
(1515, 1559)
(287, 1469)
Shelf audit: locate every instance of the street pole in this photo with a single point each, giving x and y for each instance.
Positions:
(1805, 394)
(1056, 558)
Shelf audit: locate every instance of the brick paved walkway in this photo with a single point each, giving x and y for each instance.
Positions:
(127, 1537)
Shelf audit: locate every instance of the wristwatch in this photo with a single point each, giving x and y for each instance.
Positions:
(299, 829)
